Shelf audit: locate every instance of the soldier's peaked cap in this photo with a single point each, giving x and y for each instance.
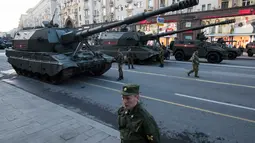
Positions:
(130, 89)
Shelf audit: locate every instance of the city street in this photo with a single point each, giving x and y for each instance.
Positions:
(217, 107)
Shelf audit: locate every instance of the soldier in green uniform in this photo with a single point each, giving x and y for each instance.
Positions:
(130, 58)
(120, 60)
(136, 125)
(161, 56)
(195, 64)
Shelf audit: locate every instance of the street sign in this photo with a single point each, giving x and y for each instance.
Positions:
(160, 21)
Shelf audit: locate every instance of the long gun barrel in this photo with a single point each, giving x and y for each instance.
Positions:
(156, 36)
(77, 36)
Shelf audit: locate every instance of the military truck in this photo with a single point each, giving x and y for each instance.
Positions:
(109, 42)
(233, 53)
(214, 53)
(54, 54)
(250, 48)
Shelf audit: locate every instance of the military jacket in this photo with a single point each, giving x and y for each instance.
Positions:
(120, 58)
(195, 58)
(137, 126)
(129, 54)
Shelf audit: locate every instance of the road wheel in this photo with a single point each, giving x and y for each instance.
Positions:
(179, 56)
(250, 54)
(213, 58)
(232, 55)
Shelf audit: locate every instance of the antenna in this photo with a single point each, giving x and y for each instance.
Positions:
(51, 22)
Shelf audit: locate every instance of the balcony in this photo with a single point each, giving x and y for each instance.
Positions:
(86, 7)
(129, 1)
(111, 3)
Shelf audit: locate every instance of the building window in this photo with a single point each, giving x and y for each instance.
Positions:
(209, 7)
(189, 9)
(246, 2)
(86, 13)
(203, 7)
(224, 4)
(80, 17)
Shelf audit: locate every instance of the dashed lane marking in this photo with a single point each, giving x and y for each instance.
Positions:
(193, 79)
(216, 102)
(177, 104)
(218, 65)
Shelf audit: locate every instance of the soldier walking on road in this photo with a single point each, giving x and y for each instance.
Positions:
(195, 64)
(120, 61)
(161, 56)
(130, 58)
(136, 125)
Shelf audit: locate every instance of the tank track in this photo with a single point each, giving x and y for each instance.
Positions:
(57, 79)
(60, 77)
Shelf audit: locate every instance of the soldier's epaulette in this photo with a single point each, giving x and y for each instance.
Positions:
(144, 113)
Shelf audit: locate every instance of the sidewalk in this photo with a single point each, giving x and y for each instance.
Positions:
(26, 118)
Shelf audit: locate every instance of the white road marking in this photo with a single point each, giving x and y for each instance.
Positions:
(186, 78)
(116, 82)
(2, 54)
(219, 65)
(11, 71)
(213, 101)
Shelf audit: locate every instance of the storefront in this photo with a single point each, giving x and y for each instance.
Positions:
(242, 31)
(154, 29)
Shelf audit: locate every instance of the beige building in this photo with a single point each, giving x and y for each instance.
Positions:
(235, 3)
(43, 11)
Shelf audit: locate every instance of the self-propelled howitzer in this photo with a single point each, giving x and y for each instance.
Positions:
(54, 54)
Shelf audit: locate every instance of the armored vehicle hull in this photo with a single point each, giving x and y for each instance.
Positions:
(233, 53)
(109, 42)
(54, 68)
(183, 50)
(250, 48)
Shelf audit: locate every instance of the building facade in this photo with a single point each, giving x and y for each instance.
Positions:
(126, 8)
(71, 11)
(43, 11)
(242, 31)
(235, 3)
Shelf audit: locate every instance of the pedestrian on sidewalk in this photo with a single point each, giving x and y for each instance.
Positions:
(120, 60)
(195, 64)
(130, 58)
(136, 125)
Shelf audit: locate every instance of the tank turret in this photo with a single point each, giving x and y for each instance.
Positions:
(54, 54)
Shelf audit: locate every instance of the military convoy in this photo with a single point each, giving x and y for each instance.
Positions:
(54, 54)
(214, 53)
(250, 48)
(109, 42)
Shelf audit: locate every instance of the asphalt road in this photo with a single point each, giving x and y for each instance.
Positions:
(217, 107)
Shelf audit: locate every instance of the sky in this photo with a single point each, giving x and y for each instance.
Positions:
(10, 11)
